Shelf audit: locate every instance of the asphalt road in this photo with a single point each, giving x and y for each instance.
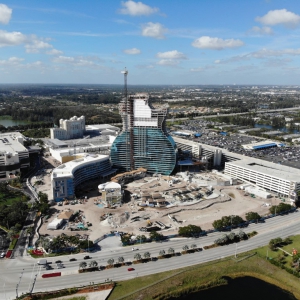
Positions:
(23, 271)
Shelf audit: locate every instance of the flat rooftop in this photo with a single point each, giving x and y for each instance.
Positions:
(9, 142)
(268, 168)
(66, 169)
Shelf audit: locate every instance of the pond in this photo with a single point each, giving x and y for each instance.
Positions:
(6, 121)
(246, 288)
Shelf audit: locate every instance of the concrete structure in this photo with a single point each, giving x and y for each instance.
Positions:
(66, 177)
(13, 155)
(111, 193)
(144, 141)
(270, 176)
(55, 224)
(69, 129)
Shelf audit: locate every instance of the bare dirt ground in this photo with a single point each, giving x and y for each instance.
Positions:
(229, 201)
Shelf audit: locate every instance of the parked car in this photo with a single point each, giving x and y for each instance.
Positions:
(2, 255)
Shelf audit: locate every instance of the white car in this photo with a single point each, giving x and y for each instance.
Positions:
(2, 255)
(135, 249)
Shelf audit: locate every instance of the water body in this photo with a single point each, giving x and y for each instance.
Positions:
(283, 129)
(245, 288)
(9, 122)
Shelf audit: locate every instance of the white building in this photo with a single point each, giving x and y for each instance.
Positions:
(272, 177)
(69, 129)
(66, 177)
(111, 192)
(13, 155)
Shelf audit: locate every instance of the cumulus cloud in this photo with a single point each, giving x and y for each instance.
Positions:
(170, 58)
(5, 14)
(279, 16)
(132, 51)
(137, 9)
(11, 38)
(154, 30)
(174, 54)
(11, 61)
(35, 45)
(206, 42)
(265, 30)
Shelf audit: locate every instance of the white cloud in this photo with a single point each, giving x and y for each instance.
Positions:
(54, 52)
(174, 54)
(260, 54)
(5, 14)
(265, 30)
(132, 51)
(137, 9)
(170, 58)
(35, 45)
(154, 30)
(197, 69)
(206, 42)
(168, 62)
(11, 61)
(11, 38)
(279, 16)
(78, 61)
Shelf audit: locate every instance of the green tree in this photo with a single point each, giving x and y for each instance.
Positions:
(147, 254)
(111, 261)
(185, 248)
(155, 236)
(82, 265)
(171, 251)
(121, 259)
(137, 256)
(193, 246)
(217, 224)
(190, 230)
(162, 252)
(252, 216)
(93, 263)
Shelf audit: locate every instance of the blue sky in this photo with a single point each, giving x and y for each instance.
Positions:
(159, 41)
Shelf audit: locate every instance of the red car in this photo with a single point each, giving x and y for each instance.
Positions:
(130, 269)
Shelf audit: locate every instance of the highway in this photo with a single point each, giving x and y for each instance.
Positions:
(18, 275)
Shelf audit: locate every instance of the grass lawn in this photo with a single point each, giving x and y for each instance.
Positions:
(264, 251)
(184, 281)
(7, 198)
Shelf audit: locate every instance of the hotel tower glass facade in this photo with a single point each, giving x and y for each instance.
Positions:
(144, 141)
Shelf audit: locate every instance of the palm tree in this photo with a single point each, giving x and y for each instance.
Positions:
(193, 246)
(111, 261)
(147, 254)
(121, 259)
(93, 263)
(185, 248)
(137, 256)
(82, 265)
(162, 252)
(171, 251)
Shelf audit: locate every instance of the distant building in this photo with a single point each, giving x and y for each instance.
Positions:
(69, 129)
(14, 156)
(144, 141)
(66, 177)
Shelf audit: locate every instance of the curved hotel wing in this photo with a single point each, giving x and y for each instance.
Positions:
(144, 141)
(67, 176)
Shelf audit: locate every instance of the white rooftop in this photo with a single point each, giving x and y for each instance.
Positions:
(68, 168)
(269, 168)
(9, 142)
